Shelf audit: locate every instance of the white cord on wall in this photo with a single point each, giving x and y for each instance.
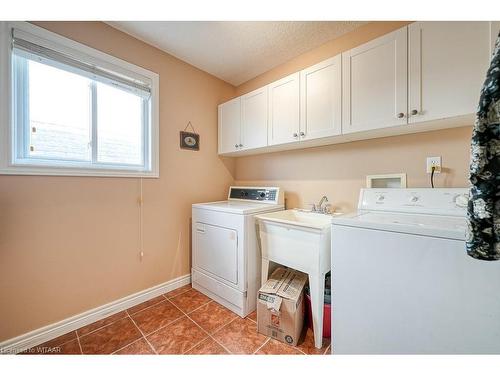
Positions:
(141, 227)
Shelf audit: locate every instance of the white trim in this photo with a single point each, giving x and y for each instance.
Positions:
(82, 172)
(49, 332)
(93, 122)
(8, 163)
(5, 99)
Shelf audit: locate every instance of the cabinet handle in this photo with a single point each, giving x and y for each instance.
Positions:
(414, 112)
(240, 145)
(295, 135)
(401, 115)
(236, 145)
(302, 134)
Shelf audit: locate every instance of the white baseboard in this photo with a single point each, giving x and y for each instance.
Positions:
(41, 335)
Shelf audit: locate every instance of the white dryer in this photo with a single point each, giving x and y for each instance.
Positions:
(225, 251)
(402, 282)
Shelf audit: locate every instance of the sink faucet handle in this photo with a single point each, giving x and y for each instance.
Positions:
(313, 207)
(327, 209)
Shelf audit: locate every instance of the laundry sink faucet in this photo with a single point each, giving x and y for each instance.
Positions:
(321, 207)
(323, 200)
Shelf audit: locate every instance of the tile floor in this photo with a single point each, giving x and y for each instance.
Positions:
(183, 321)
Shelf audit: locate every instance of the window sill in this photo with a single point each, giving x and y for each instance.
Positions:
(78, 172)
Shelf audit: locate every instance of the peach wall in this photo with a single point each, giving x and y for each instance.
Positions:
(339, 171)
(69, 244)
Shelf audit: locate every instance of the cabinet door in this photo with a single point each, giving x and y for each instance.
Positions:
(321, 99)
(375, 83)
(447, 67)
(284, 110)
(229, 126)
(254, 119)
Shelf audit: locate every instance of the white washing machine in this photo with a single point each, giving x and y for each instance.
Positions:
(226, 255)
(402, 282)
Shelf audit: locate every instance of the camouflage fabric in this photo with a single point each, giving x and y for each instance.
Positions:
(483, 212)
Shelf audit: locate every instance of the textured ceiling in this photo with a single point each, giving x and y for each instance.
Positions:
(235, 51)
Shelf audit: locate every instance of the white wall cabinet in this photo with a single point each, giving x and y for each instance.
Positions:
(254, 117)
(229, 126)
(447, 63)
(243, 122)
(284, 110)
(422, 77)
(321, 99)
(375, 83)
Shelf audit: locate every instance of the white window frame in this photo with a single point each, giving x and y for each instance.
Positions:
(11, 163)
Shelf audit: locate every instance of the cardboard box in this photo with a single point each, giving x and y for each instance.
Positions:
(280, 306)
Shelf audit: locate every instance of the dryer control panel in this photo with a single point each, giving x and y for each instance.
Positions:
(272, 195)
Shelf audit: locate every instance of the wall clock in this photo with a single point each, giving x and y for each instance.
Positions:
(190, 140)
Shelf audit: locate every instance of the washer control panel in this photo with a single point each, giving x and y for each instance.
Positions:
(261, 194)
(443, 201)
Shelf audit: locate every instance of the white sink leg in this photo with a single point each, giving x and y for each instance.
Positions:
(264, 270)
(317, 290)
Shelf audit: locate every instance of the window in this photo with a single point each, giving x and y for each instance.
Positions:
(77, 111)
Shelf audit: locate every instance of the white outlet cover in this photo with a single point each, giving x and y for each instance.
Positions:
(433, 161)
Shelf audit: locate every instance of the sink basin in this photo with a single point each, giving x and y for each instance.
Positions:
(301, 218)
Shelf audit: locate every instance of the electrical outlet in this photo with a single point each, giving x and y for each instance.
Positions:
(434, 161)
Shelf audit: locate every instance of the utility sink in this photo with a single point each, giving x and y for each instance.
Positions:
(309, 219)
(300, 240)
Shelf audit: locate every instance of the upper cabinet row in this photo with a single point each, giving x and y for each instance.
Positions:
(424, 72)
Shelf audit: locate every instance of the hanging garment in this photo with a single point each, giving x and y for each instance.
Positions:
(483, 237)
